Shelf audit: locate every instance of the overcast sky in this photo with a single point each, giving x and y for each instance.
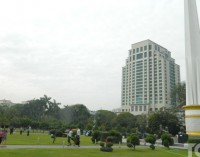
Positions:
(74, 50)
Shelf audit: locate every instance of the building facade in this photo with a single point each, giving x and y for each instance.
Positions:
(149, 76)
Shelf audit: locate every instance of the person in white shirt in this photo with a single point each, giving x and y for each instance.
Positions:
(78, 134)
(70, 136)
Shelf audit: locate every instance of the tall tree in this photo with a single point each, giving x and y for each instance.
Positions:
(34, 109)
(141, 122)
(46, 101)
(178, 95)
(103, 119)
(125, 122)
(163, 121)
(53, 110)
(75, 115)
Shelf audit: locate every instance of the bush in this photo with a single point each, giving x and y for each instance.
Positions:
(102, 144)
(168, 138)
(109, 144)
(166, 143)
(96, 136)
(129, 145)
(152, 146)
(111, 136)
(106, 147)
(117, 137)
(57, 132)
(152, 140)
(133, 140)
(193, 140)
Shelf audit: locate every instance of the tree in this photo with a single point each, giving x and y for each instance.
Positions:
(75, 115)
(103, 119)
(133, 140)
(53, 109)
(18, 108)
(35, 109)
(163, 121)
(141, 122)
(178, 96)
(124, 122)
(33, 112)
(46, 101)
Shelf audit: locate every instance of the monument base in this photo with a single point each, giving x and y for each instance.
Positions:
(192, 120)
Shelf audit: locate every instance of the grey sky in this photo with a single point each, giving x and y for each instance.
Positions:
(73, 50)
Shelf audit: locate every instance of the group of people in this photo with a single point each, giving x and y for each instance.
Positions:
(75, 138)
(21, 130)
(71, 136)
(3, 132)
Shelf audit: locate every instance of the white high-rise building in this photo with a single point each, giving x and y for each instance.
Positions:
(149, 76)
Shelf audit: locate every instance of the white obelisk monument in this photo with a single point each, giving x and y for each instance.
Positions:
(192, 52)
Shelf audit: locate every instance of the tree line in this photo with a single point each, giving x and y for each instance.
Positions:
(46, 114)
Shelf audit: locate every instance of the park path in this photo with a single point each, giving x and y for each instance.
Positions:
(73, 147)
(51, 146)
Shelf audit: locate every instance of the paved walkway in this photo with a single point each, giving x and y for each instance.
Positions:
(43, 146)
(75, 147)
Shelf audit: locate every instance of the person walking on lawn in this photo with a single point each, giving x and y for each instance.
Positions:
(69, 136)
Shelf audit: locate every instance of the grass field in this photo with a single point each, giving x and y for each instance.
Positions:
(40, 139)
(78, 152)
(45, 139)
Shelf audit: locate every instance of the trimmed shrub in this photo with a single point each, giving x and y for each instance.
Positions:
(96, 136)
(152, 140)
(117, 137)
(102, 144)
(133, 140)
(167, 137)
(166, 143)
(111, 136)
(152, 146)
(129, 145)
(58, 132)
(193, 140)
(106, 147)
(109, 144)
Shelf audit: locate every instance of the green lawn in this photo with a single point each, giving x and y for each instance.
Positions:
(78, 152)
(40, 139)
(45, 139)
